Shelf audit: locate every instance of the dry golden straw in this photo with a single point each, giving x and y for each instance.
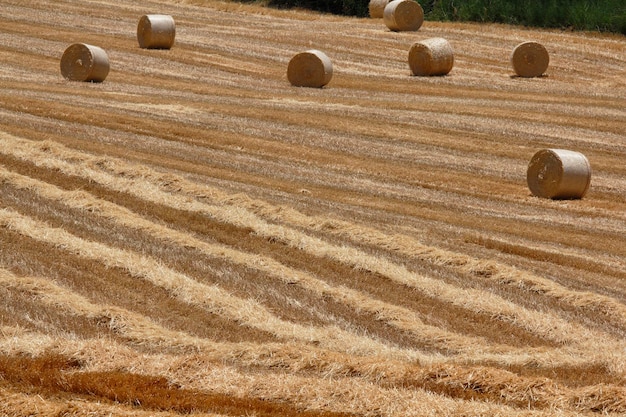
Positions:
(530, 59)
(82, 62)
(311, 68)
(156, 31)
(403, 15)
(377, 7)
(558, 174)
(432, 56)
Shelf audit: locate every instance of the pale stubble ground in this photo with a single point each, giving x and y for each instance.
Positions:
(369, 248)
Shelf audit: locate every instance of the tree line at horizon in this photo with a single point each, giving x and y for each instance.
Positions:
(595, 15)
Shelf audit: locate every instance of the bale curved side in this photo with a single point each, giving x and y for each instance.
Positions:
(403, 15)
(559, 174)
(376, 8)
(433, 56)
(83, 62)
(156, 31)
(311, 68)
(530, 59)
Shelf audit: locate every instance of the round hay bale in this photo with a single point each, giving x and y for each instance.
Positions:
(377, 7)
(156, 31)
(82, 62)
(558, 174)
(432, 56)
(403, 15)
(311, 68)
(530, 59)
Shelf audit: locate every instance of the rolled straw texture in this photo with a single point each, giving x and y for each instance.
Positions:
(559, 174)
(83, 62)
(156, 31)
(311, 68)
(403, 15)
(432, 56)
(377, 8)
(530, 59)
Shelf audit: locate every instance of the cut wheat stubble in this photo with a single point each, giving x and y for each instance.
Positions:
(394, 316)
(559, 174)
(433, 56)
(550, 327)
(530, 59)
(403, 15)
(83, 62)
(212, 298)
(156, 31)
(311, 68)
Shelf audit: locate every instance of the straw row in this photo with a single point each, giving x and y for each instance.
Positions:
(409, 246)
(403, 319)
(209, 297)
(479, 302)
(190, 370)
(431, 183)
(545, 325)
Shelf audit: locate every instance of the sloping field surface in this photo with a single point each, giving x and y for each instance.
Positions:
(195, 235)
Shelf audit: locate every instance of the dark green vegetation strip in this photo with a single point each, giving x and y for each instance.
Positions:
(600, 15)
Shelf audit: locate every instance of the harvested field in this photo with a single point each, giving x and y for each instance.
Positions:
(194, 235)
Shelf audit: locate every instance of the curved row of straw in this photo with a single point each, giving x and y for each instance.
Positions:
(546, 326)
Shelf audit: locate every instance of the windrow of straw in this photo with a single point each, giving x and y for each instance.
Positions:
(458, 382)
(546, 325)
(395, 316)
(314, 205)
(210, 297)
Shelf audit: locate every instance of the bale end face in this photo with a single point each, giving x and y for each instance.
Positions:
(432, 56)
(156, 31)
(83, 62)
(558, 174)
(530, 59)
(403, 15)
(310, 69)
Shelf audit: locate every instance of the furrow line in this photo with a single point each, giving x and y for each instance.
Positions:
(210, 297)
(487, 269)
(469, 348)
(546, 325)
(186, 370)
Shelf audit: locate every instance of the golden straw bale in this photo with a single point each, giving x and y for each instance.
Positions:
(82, 62)
(432, 56)
(403, 15)
(156, 31)
(377, 7)
(558, 174)
(530, 59)
(311, 68)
